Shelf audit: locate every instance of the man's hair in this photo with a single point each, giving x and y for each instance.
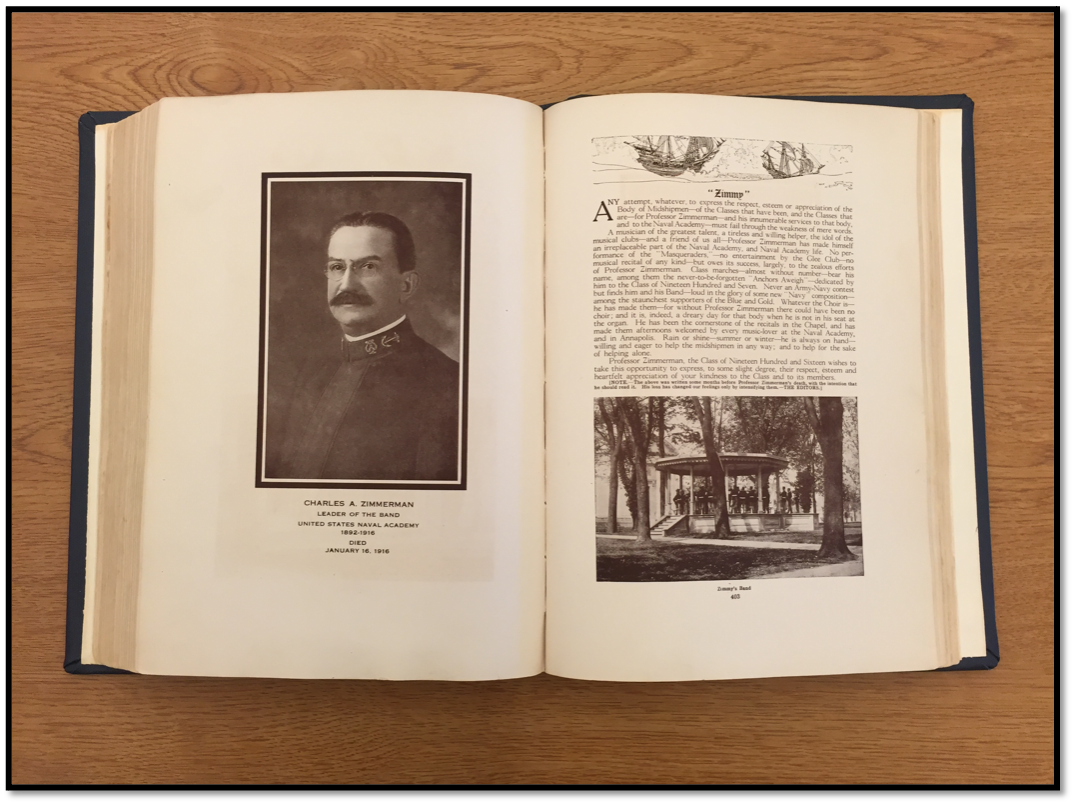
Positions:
(404, 248)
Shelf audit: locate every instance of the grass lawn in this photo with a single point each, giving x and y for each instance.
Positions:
(621, 560)
(853, 536)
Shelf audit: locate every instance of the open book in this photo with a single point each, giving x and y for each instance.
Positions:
(437, 385)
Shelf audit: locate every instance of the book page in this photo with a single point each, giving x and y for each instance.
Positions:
(734, 295)
(345, 453)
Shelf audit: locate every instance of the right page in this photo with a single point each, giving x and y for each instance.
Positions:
(739, 478)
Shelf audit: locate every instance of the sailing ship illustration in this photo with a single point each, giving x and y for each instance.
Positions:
(672, 155)
(791, 161)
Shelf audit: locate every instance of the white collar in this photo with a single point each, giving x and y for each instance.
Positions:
(377, 332)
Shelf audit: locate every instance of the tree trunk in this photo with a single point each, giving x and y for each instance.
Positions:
(627, 474)
(612, 495)
(662, 427)
(640, 432)
(643, 526)
(614, 440)
(719, 508)
(826, 419)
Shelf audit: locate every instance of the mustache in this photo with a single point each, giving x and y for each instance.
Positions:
(351, 297)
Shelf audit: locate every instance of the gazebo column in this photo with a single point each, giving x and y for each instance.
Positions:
(759, 489)
(692, 490)
(778, 488)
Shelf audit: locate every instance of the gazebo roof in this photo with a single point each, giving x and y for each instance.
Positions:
(735, 463)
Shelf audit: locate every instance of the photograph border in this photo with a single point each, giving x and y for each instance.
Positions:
(466, 179)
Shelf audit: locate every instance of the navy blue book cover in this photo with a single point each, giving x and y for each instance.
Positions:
(76, 561)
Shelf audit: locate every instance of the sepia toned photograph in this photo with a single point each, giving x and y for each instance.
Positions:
(364, 321)
(727, 488)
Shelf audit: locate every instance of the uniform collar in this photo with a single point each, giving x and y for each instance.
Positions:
(379, 343)
(392, 325)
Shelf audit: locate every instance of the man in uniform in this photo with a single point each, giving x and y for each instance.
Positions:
(384, 404)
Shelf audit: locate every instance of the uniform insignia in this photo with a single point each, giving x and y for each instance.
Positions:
(370, 346)
(388, 340)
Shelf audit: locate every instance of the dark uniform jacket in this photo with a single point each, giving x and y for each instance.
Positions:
(382, 408)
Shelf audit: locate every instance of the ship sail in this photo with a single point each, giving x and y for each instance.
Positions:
(672, 155)
(791, 161)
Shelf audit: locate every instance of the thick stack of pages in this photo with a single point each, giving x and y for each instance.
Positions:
(436, 385)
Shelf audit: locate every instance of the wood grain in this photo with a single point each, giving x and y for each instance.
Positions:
(995, 727)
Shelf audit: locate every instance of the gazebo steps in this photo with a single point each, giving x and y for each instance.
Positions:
(667, 523)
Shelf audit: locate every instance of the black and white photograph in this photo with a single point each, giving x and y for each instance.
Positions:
(364, 327)
(712, 488)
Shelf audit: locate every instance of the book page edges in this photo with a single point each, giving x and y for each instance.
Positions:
(124, 287)
(100, 201)
(934, 377)
(958, 391)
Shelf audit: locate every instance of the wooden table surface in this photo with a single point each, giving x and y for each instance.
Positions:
(981, 727)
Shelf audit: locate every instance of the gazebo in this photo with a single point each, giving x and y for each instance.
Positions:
(760, 513)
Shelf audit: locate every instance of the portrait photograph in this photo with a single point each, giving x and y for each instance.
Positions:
(364, 322)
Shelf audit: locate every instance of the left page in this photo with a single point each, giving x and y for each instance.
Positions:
(344, 460)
